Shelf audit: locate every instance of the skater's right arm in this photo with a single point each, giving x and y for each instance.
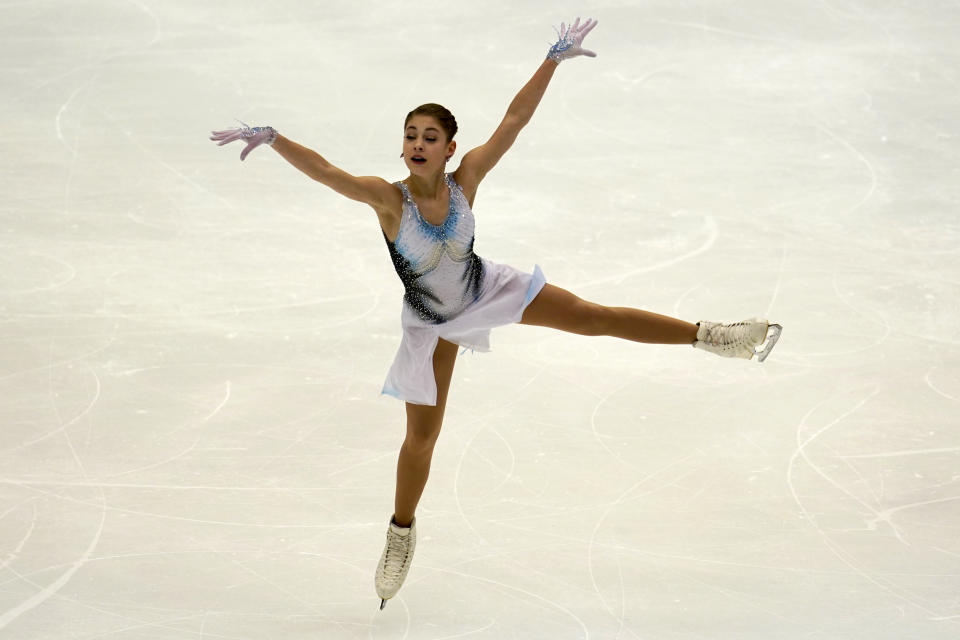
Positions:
(376, 192)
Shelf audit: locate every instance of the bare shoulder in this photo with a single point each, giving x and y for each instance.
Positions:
(469, 183)
(380, 194)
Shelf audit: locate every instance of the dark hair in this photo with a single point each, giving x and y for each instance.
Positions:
(439, 113)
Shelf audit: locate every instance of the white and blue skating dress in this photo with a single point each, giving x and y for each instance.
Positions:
(449, 292)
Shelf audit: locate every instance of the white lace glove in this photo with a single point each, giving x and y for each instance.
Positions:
(570, 40)
(255, 136)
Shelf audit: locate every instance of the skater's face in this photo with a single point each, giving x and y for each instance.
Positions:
(425, 146)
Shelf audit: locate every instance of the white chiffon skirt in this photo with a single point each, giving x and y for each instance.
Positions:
(504, 296)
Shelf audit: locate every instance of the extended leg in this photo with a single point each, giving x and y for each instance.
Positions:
(559, 309)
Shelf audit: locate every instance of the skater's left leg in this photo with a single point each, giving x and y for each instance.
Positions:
(423, 429)
(559, 309)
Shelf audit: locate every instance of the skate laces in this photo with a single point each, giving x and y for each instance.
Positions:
(398, 550)
(732, 335)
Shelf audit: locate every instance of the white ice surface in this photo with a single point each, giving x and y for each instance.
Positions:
(192, 440)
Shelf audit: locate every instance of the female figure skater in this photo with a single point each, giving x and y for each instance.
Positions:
(453, 297)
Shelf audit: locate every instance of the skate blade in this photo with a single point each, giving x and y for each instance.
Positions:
(773, 334)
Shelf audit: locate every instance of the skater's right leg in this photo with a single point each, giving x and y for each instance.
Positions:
(423, 428)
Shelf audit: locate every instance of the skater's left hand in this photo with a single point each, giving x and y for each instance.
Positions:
(568, 46)
(255, 136)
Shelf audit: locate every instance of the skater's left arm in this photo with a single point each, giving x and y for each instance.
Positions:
(479, 161)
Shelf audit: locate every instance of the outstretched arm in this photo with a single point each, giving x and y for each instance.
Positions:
(479, 161)
(368, 189)
(375, 192)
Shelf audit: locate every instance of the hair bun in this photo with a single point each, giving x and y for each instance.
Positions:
(439, 113)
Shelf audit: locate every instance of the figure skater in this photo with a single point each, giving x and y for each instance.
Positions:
(454, 297)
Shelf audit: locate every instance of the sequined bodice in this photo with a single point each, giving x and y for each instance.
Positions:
(440, 272)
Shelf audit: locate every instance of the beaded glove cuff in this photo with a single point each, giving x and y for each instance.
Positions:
(271, 133)
(569, 41)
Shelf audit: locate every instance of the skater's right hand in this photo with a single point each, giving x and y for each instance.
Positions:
(568, 46)
(255, 136)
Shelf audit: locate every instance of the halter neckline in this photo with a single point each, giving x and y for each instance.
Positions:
(449, 182)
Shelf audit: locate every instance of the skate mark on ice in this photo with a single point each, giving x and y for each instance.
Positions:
(730, 563)
(60, 281)
(853, 150)
(149, 153)
(873, 21)
(777, 285)
(153, 465)
(34, 486)
(139, 623)
(492, 623)
(801, 451)
(887, 514)
(622, 499)
(406, 615)
(729, 32)
(676, 312)
(374, 298)
(362, 463)
(712, 231)
(13, 555)
(482, 420)
(676, 557)
(744, 600)
(53, 588)
(593, 420)
(29, 484)
(834, 548)
(852, 467)
(930, 384)
(223, 403)
(321, 377)
(259, 553)
(62, 363)
(279, 457)
(156, 25)
(259, 577)
(191, 424)
(64, 425)
(166, 624)
(879, 319)
(59, 117)
(573, 116)
(456, 485)
(534, 596)
(899, 454)
(632, 82)
(17, 506)
(513, 460)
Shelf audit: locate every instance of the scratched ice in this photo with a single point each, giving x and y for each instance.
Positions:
(193, 443)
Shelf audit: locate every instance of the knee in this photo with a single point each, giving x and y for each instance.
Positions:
(421, 438)
(591, 319)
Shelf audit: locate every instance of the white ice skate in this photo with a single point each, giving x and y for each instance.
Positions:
(754, 337)
(395, 561)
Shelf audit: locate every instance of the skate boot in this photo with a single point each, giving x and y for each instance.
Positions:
(395, 561)
(754, 337)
